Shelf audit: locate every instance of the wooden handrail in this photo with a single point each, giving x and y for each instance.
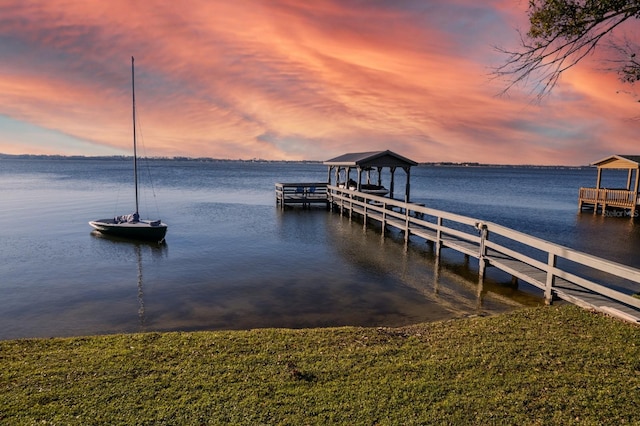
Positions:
(616, 197)
(419, 220)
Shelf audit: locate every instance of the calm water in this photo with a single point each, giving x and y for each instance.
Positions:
(233, 260)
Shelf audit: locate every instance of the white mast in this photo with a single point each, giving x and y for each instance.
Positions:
(135, 154)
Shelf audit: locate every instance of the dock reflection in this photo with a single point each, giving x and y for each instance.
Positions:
(449, 281)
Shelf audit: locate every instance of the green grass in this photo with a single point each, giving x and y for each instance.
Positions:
(545, 365)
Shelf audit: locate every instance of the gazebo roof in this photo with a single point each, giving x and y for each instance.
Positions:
(618, 162)
(371, 159)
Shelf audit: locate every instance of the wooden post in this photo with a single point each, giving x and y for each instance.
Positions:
(391, 186)
(548, 290)
(479, 292)
(407, 194)
(436, 276)
(364, 216)
(595, 202)
(438, 235)
(484, 235)
(406, 225)
(635, 195)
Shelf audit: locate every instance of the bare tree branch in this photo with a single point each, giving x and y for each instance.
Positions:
(562, 33)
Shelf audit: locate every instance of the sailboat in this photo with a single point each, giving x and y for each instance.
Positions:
(130, 225)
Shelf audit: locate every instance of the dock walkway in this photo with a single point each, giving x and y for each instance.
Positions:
(558, 271)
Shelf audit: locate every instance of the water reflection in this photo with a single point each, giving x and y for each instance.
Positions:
(448, 285)
(126, 247)
(611, 237)
(140, 289)
(254, 265)
(322, 270)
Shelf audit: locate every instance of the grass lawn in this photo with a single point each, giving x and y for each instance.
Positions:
(544, 365)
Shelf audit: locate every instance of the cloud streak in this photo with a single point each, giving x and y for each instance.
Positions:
(291, 80)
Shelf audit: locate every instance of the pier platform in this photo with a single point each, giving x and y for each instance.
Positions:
(559, 272)
(303, 194)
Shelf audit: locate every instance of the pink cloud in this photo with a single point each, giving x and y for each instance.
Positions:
(293, 80)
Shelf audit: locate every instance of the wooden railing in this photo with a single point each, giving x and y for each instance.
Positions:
(555, 269)
(609, 197)
(304, 194)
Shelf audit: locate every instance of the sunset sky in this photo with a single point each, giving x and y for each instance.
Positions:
(294, 80)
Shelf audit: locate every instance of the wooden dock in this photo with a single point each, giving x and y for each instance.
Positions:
(626, 199)
(601, 199)
(302, 194)
(558, 271)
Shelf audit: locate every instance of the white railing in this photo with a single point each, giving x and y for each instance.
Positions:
(492, 244)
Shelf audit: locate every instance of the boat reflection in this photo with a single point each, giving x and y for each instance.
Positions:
(133, 247)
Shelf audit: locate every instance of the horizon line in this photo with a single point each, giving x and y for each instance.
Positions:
(186, 158)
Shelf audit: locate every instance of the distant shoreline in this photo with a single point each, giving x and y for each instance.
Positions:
(259, 160)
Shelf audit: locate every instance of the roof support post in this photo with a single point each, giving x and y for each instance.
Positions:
(407, 194)
(391, 185)
(595, 202)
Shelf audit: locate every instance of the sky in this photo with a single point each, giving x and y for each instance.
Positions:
(294, 80)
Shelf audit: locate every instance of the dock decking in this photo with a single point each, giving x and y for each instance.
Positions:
(303, 194)
(558, 271)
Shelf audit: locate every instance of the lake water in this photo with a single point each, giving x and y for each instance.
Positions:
(233, 260)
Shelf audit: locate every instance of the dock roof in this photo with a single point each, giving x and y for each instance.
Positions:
(371, 159)
(618, 162)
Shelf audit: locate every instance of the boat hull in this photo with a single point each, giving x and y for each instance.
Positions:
(374, 189)
(140, 230)
(379, 192)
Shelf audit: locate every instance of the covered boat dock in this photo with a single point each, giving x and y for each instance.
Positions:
(363, 163)
(621, 198)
